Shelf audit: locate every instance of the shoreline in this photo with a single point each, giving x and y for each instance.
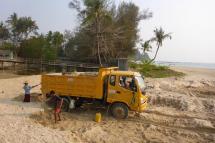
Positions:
(185, 68)
(191, 67)
(196, 73)
(187, 64)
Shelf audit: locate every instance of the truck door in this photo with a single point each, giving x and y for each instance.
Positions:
(112, 88)
(121, 89)
(128, 89)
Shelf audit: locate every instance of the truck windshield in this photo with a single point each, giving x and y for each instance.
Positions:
(141, 83)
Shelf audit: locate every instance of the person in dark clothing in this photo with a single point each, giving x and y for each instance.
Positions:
(132, 84)
(57, 103)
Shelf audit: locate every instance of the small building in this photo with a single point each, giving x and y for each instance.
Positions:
(123, 63)
(6, 54)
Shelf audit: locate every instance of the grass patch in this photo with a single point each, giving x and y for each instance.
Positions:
(155, 71)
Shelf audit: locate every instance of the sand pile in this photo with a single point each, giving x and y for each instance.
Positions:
(169, 100)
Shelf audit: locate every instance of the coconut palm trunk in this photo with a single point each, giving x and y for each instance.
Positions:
(156, 53)
(160, 36)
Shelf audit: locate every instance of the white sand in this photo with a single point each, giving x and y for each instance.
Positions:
(180, 110)
(15, 125)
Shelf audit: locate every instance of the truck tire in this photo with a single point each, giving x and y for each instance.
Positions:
(78, 103)
(119, 110)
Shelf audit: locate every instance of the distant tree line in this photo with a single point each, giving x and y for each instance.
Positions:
(19, 34)
(106, 31)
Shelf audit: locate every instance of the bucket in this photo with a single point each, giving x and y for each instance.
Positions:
(98, 117)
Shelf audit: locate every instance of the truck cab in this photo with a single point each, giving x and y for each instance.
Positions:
(126, 89)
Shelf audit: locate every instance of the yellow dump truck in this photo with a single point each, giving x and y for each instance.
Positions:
(120, 90)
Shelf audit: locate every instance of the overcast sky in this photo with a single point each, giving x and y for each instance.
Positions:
(192, 23)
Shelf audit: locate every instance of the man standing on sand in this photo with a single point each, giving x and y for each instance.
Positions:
(27, 90)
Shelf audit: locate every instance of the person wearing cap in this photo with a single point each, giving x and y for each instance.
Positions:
(27, 89)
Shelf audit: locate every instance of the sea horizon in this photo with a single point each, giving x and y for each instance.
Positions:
(187, 64)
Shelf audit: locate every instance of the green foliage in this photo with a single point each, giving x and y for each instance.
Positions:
(110, 32)
(79, 46)
(127, 19)
(160, 36)
(32, 48)
(21, 32)
(37, 47)
(49, 53)
(56, 40)
(21, 27)
(133, 65)
(146, 46)
(93, 16)
(155, 71)
(4, 32)
(7, 46)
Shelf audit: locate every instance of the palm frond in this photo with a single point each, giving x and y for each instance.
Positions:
(146, 46)
(160, 36)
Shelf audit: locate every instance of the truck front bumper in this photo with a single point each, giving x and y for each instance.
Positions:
(143, 106)
(143, 103)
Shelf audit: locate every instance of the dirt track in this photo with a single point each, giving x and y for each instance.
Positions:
(180, 110)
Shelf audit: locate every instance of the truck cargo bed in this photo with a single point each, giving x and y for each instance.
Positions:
(77, 84)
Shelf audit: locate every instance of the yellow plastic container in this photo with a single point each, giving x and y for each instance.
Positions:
(98, 117)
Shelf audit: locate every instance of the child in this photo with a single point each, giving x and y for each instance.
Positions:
(58, 109)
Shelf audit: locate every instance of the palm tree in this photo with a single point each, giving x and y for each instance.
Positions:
(160, 36)
(20, 28)
(28, 26)
(12, 20)
(93, 15)
(146, 46)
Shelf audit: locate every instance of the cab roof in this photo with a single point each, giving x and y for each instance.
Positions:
(126, 73)
(115, 71)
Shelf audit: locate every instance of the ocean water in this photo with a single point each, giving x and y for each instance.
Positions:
(187, 64)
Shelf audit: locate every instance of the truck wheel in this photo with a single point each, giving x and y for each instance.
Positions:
(78, 103)
(119, 110)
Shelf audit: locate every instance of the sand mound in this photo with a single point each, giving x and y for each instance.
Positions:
(169, 101)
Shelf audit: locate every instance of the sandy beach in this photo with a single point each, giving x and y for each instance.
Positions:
(180, 110)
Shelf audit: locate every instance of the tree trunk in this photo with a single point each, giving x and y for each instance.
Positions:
(98, 39)
(98, 51)
(154, 56)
